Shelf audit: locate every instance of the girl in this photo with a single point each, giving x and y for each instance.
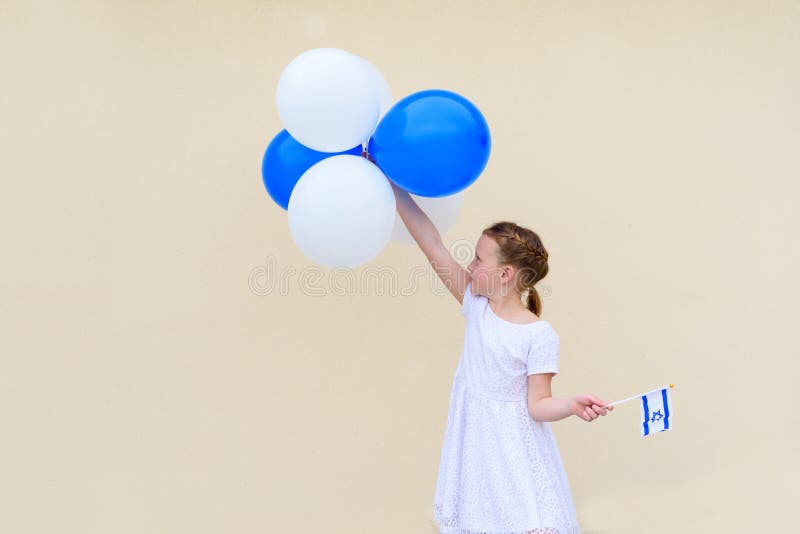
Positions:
(500, 471)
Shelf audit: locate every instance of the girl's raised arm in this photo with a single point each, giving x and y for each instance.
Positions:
(427, 236)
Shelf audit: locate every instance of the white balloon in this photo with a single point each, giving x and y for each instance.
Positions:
(384, 95)
(382, 86)
(341, 211)
(328, 99)
(442, 211)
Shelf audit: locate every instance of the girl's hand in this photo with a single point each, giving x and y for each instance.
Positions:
(397, 190)
(588, 407)
(365, 154)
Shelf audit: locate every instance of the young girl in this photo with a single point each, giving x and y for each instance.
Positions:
(500, 471)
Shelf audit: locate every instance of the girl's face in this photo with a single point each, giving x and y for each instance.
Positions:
(484, 269)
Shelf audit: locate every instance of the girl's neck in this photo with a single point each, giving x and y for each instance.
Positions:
(508, 306)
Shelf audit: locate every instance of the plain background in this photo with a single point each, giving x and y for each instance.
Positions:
(172, 363)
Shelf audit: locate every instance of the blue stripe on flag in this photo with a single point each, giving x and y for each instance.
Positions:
(646, 415)
(666, 408)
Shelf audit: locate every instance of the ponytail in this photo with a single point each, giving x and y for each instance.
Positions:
(534, 303)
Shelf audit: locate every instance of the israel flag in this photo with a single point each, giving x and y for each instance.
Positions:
(656, 411)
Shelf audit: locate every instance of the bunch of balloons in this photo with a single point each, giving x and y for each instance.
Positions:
(336, 107)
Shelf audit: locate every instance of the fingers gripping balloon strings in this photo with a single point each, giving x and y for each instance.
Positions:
(367, 155)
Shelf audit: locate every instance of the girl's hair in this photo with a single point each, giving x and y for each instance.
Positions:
(521, 248)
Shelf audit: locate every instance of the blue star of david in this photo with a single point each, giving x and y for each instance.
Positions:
(654, 418)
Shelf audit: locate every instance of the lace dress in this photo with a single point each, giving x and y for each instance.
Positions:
(500, 472)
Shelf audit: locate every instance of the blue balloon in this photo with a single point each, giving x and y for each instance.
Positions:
(285, 161)
(432, 143)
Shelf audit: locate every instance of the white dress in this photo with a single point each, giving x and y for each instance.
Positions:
(500, 472)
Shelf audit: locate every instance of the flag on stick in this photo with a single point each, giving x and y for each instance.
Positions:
(656, 410)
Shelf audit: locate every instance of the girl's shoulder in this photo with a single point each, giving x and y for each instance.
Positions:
(542, 330)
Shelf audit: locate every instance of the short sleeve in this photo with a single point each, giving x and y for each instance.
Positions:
(543, 354)
(466, 302)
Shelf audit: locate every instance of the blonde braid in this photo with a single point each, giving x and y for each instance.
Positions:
(541, 256)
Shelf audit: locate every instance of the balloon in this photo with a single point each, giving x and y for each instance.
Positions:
(432, 143)
(341, 212)
(285, 161)
(384, 94)
(384, 91)
(442, 211)
(328, 100)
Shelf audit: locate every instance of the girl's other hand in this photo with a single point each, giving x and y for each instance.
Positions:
(588, 407)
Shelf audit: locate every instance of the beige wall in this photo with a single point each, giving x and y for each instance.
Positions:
(150, 382)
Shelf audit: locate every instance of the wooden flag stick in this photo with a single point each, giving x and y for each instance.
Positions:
(636, 396)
